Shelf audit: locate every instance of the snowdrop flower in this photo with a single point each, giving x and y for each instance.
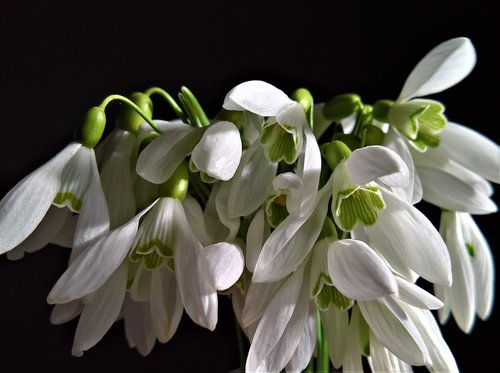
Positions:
(32, 213)
(472, 291)
(215, 151)
(285, 136)
(419, 120)
(140, 257)
(455, 175)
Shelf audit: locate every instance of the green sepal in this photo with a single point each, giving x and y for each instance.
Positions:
(381, 110)
(177, 185)
(128, 119)
(335, 152)
(92, 128)
(372, 135)
(342, 106)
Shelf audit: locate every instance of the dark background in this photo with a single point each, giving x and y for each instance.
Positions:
(58, 59)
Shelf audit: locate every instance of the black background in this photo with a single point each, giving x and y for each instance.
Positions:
(58, 59)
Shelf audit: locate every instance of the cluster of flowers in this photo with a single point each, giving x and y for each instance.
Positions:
(302, 213)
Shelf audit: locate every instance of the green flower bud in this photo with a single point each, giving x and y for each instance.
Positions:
(336, 152)
(381, 110)
(233, 116)
(342, 106)
(92, 129)
(351, 140)
(303, 97)
(128, 119)
(372, 135)
(177, 185)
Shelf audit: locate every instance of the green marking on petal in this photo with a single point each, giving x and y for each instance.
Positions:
(470, 249)
(68, 199)
(432, 117)
(358, 205)
(330, 295)
(281, 142)
(152, 261)
(323, 279)
(276, 210)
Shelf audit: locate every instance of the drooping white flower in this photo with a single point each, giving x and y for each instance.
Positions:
(472, 291)
(69, 180)
(146, 251)
(215, 150)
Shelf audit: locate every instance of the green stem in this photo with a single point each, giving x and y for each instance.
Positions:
(310, 367)
(125, 100)
(323, 359)
(170, 100)
(193, 108)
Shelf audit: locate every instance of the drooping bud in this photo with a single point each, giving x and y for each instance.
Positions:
(92, 129)
(128, 119)
(381, 110)
(335, 152)
(372, 135)
(342, 106)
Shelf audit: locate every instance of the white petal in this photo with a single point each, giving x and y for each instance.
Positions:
(198, 295)
(483, 266)
(304, 351)
(249, 187)
(218, 153)
(413, 191)
(440, 354)
(404, 233)
(336, 324)
(43, 233)
(372, 162)
(290, 243)
(280, 327)
(358, 272)
(258, 297)
(138, 326)
(257, 97)
(416, 296)
(308, 169)
(395, 330)
(258, 232)
(100, 314)
(196, 219)
(292, 184)
(94, 217)
(462, 291)
(62, 313)
(471, 149)
(116, 178)
(222, 263)
(140, 290)
(352, 360)
(166, 304)
(95, 265)
(382, 360)
(443, 67)
(321, 124)
(25, 205)
(66, 234)
(449, 192)
(219, 225)
(160, 158)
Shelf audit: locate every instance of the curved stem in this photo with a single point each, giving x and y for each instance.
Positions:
(193, 108)
(170, 100)
(125, 100)
(323, 358)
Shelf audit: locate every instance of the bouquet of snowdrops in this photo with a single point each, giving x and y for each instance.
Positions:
(303, 213)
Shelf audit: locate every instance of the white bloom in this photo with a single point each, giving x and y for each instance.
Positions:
(148, 250)
(472, 291)
(71, 180)
(216, 150)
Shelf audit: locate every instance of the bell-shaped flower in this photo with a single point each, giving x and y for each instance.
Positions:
(29, 218)
(455, 174)
(472, 291)
(356, 194)
(285, 136)
(215, 150)
(421, 121)
(159, 254)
